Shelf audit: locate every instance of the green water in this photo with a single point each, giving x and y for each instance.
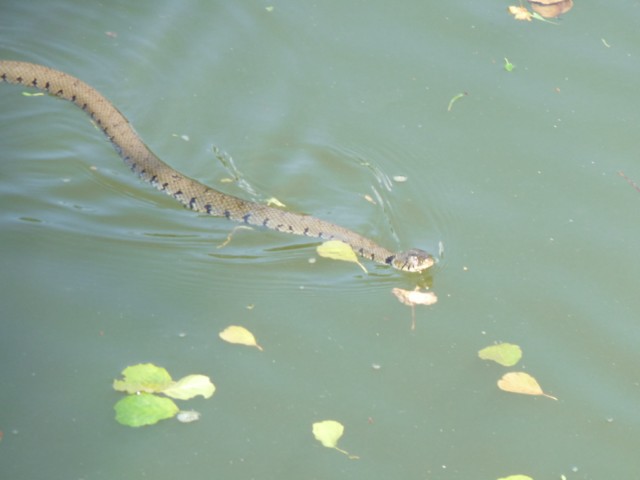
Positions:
(320, 104)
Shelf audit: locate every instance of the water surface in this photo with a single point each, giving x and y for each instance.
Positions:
(320, 104)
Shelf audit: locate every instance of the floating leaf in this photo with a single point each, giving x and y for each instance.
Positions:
(188, 416)
(520, 13)
(144, 409)
(413, 298)
(239, 335)
(189, 387)
(521, 382)
(338, 250)
(508, 66)
(328, 432)
(505, 354)
(516, 477)
(144, 377)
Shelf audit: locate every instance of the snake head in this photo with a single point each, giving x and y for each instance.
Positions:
(414, 260)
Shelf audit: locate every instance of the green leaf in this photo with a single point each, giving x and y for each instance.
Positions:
(508, 66)
(144, 377)
(190, 386)
(505, 354)
(144, 409)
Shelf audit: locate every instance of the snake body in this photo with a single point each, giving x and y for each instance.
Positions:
(191, 193)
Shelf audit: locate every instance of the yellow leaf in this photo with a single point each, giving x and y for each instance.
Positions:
(520, 13)
(239, 335)
(338, 250)
(521, 382)
(328, 432)
(190, 386)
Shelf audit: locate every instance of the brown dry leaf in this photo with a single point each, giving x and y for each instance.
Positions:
(413, 298)
(551, 8)
(521, 382)
(239, 335)
(520, 13)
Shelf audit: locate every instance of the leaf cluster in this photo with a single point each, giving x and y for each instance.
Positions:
(150, 392)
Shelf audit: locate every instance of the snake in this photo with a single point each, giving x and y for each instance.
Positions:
(190, 193)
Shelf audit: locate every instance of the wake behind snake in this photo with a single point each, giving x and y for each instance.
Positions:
(191, 193)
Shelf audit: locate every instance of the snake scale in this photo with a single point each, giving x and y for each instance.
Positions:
(191, 193)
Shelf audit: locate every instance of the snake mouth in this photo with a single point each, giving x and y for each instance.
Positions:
(414, 261)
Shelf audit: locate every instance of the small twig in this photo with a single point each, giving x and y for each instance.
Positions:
(231, 233)
(629, 181)
(455, 99)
